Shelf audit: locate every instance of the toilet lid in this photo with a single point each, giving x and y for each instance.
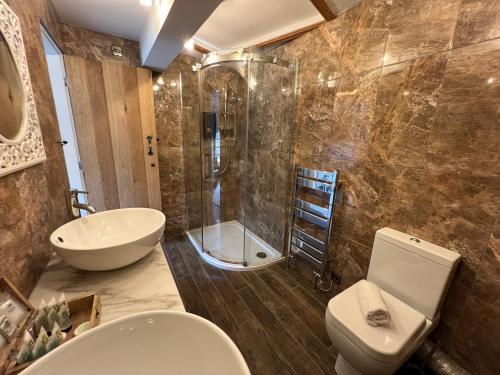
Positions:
(386, 344)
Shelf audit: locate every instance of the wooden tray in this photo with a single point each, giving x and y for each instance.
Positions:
(83, 309)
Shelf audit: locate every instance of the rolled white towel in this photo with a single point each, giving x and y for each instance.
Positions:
(372, 304)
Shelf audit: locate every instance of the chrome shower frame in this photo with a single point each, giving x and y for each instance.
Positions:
(217, 57)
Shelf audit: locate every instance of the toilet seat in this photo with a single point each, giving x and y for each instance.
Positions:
(384, 344)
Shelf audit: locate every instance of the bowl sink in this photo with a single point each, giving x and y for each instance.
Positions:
(156, 342)
(110, 239)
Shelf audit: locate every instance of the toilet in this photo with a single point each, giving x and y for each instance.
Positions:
(413, 276)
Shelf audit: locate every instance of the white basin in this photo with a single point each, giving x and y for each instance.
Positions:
(109, 239)
(156, 342)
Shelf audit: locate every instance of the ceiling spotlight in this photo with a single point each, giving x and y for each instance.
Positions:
(160, 80)
(490, 80)
(189, 44)
(156, 87)
(146, 3)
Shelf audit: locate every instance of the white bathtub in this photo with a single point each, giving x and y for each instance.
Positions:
(109, 239)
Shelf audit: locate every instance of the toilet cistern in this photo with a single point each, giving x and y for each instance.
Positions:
(413, 276)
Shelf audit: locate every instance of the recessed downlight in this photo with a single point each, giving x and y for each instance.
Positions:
(189, 44)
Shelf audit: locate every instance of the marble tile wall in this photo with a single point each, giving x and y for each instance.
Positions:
(32, 201)
(267, 184)
(76, 41)
(403, 98)
(191, 142)
(176, 112)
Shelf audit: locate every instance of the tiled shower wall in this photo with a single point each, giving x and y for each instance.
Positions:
(176, 111)
(254, 187)
(403, 97)
(268, 173)
(221, 194)
(177, 122)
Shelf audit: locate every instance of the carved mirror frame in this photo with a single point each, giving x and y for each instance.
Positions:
(27, 149)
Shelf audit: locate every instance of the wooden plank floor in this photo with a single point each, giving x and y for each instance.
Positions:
(273, 315)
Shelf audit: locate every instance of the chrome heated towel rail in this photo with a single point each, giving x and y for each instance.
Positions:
(314, 249)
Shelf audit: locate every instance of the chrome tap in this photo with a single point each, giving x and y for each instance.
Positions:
(76, 206)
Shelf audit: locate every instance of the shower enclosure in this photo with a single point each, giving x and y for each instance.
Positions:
(246, 107)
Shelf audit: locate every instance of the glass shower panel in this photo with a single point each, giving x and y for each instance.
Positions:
(270, 122)
(223, 107)
(246, 107)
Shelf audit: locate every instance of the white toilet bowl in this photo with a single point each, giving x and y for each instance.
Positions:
(413, 277)
(367, 350)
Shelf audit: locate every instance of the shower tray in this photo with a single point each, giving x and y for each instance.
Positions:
(224, 245)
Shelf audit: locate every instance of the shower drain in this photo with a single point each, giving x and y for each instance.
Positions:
(261, 254)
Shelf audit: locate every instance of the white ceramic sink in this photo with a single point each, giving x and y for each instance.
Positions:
(109, 239)
(156, 342)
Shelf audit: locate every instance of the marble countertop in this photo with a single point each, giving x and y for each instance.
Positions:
(142, 286)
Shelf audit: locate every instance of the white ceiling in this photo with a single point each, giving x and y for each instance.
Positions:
(123, 18)
(235, 23)
(243, 23)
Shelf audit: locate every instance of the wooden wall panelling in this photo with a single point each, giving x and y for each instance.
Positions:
(113, 109)
(115, 99)
(133, 116)
(146, 103)
(83, 117)
(95, 83)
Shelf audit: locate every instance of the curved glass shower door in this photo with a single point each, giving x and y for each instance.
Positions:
(223, 111)
(246, 101)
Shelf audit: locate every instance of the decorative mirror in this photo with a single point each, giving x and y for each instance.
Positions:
(21, 142)
(12, 98)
